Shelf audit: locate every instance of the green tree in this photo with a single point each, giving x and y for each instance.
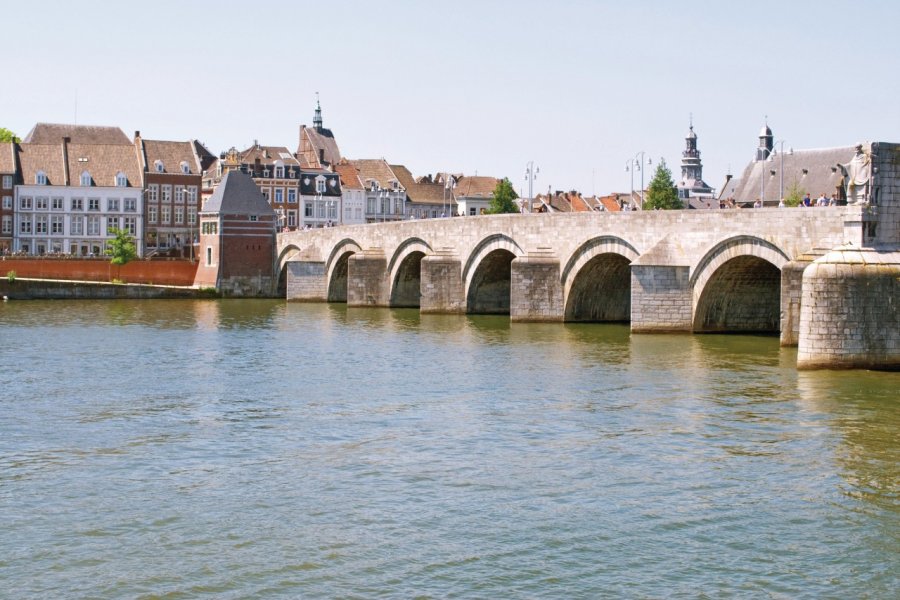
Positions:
(8, 136)
(794, 194)
(503, 199)
(662, 193)
(121, 248)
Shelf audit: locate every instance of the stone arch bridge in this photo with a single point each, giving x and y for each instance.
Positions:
(687, 270)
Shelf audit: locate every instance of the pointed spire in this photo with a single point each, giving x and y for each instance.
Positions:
(317, 118)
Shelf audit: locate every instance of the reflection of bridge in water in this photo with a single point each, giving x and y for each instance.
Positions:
(709, 270)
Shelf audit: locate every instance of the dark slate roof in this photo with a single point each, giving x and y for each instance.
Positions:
(53, 133)
(815, 171)
(238, 195)
(308, 182)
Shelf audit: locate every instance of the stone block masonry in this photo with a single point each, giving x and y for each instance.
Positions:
(661, 299)
(535, 289)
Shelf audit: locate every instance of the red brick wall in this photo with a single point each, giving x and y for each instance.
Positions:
(169, 272)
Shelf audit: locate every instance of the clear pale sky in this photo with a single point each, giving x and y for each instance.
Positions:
(578, 87)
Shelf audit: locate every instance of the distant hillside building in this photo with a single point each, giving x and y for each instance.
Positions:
(237, 239)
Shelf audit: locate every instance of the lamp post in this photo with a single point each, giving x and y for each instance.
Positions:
(781, 167)
(638, 165)
(531, 173)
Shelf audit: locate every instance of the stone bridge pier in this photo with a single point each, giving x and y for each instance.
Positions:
(709, 271)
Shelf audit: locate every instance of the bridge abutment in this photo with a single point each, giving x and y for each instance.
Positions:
(442, 287)
(535, 290)
(367, 279)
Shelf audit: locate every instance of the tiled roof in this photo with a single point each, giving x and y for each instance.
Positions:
(103, 162)
(611, 203)
(323, 139)
(53, 133)
(7, 157)
(42, 157)
(375, 169)
(815, 171)
(268, 155)
(422, 193)
(172, 154)
(238, 195)
(475, 186)
(349, 175)
(205, 157)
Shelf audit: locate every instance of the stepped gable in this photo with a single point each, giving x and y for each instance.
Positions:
(53, 133)
(238, 195)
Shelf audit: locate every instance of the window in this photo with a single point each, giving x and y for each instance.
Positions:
(56, 203)
(192, 215)
(158, 165)
(85, 179)
(151, 214)
(40, 204)
(179, 215)
(93, 203)
(166, 216)
(179, 194)
(292, 218)
(7, 201)
(191, 193)
(279, 195)
(254, 218)
(93, 225)
(40, 178)
(112, 205)
(25, 224)
(25, 203)
(472, 212)
(7, 224)
(265, 172)
(166, 193)
(7, 182)
(307, 209)
(56, 224)
(185, 167)
(112, 223)
(153, 193)
(76, 226)
(131, 225)
(40, 224)
(320, 184)
(121, 180)
(266, 193)
(130, 204)
(279, 172)
(292, 196)
(370, 206)
(208, 255)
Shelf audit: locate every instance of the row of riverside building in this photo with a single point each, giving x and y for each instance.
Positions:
(64, 189)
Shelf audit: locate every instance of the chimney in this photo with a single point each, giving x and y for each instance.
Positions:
(256, 165)
(321, 156)
(137, 133)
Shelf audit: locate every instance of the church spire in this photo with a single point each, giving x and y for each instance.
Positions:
(317, 118)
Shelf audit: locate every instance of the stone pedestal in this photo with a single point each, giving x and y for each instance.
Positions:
(306, 281)
(442, 286)
(661, 299)
(367, 279)
(850, 314)
(535, 290)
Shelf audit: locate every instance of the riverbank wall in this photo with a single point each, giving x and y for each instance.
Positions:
(155, 272)
(46, 289)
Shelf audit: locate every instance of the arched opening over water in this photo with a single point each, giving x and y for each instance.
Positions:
(489, 288)
(288, 253)
(601, 291)
(742, 295)
(406, 288)
(337, 284)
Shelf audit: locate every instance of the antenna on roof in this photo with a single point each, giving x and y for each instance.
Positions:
(691, 119)
(76, 106)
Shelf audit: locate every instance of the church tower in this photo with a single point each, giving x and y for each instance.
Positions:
(692, 183)
(317, 117)
(766, 143)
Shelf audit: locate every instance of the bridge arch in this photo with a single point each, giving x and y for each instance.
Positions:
(736, 286)
(405, 270)
(596, 280)
(336, 269)
(487, 274)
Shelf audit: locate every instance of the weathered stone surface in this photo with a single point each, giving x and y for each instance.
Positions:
(367, 283)
(535, 289)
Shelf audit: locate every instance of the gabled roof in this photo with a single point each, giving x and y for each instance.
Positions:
(7, 157)
(422, 192)
(475, 186)
(268, 155)
(375, 170)
(814, 171)
(238, 195)
(205, 157)
(103, 162)
(320, 139)
(349, 175)
(42, 157)
(172, 154)
(53, 133)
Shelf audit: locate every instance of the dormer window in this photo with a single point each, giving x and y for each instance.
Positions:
(374, 186)
(85, 179)
(279, 170)
(121, 180)
(40, 178)
(320, 184)
(159, 166)
(185, 167)
(265, 172)
(395, 185)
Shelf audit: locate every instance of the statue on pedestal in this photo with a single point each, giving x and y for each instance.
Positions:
(858, 175)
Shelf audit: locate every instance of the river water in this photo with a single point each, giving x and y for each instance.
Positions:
(234, 449)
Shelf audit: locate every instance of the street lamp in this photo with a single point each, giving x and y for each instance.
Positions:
(531, 173)
(781, 152)
(637, 165)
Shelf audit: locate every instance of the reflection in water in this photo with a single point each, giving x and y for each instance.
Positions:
(263, 448)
